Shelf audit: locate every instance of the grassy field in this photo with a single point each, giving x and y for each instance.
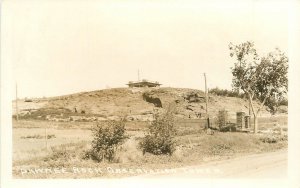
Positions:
(61, 155)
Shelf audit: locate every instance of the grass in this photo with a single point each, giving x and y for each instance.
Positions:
(30, 124)
(193, 147)
(51, 124)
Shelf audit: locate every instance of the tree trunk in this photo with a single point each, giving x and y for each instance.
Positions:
(255, 123)
(255, 114)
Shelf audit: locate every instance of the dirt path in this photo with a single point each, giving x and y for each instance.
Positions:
(266, 165)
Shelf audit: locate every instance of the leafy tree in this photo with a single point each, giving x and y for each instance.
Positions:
(160, 138)
(107, 136)
(259, 78)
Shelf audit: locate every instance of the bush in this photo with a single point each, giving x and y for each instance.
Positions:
(107, 137)
(273, 138)
(228, 128)
(51, 136)
(160, 138)
(226, 93)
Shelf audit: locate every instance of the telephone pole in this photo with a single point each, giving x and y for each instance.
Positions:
(206, 100)
(138, 74)
(17, 110)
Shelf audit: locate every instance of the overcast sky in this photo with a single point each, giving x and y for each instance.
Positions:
(62, 47)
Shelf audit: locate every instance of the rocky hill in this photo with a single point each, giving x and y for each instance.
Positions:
(135, 103)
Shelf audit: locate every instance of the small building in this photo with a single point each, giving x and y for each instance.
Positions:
(143, 83)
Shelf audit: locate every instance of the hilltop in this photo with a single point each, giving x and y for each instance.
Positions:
(135, 103)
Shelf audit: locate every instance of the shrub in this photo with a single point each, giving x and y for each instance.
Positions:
(226, 93)
(107, 137)
(51, 136)
(273, 138)
(228, 128)
(269, 139)
(160, 138)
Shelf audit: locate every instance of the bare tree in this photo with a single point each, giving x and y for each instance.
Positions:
(259, 78)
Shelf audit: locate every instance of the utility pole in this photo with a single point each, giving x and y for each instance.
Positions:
(138, 75)
(17, 110)
(206, 101)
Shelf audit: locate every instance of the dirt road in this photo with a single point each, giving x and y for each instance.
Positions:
(266, 165)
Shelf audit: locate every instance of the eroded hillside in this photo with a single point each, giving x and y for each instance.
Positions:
(137, 103)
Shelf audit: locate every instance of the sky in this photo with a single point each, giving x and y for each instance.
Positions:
(63, 47)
